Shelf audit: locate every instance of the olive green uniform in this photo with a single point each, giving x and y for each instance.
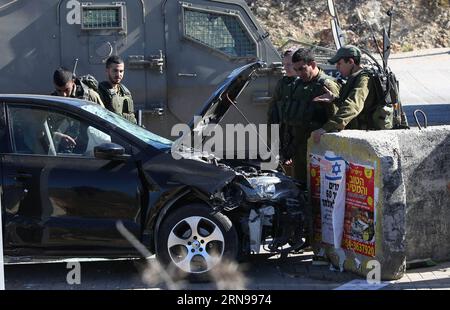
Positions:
(281, 98)
(119, 102)
(94, 97)
(355, 104)
(304, 116)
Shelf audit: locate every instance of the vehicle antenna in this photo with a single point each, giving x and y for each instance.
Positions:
(74, 71)
(376, 44)
(390, 13)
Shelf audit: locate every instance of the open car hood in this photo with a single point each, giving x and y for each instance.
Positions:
(226, 94)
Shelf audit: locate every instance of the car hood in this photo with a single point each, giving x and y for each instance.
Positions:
(226, 94)
(191, 169)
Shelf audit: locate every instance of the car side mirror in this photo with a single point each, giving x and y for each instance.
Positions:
(110, 151)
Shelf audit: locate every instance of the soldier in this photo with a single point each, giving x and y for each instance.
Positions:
(66, 85)
(356, 97)
(116, 96)
(304, 115)
(281, 97)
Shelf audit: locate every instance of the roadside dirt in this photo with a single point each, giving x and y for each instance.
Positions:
(417, 24)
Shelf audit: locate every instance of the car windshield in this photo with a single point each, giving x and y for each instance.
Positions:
(133, 129)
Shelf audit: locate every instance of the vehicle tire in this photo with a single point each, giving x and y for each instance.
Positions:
(193, 241)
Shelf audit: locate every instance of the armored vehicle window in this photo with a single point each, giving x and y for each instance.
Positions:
(101, 17)
(219, 31)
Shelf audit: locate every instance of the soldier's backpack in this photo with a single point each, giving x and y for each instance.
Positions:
(388, 111)
(89, 81)
(84, 83)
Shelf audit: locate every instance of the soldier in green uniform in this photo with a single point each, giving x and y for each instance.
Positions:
(281, 97)
(302, 114)
(356, 98)
(115, 95)
(66, 85)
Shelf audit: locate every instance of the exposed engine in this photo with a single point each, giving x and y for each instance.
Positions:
(270, 208)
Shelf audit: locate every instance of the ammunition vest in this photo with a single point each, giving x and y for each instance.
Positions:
(301, 111)
(284, 91)
(118, 102)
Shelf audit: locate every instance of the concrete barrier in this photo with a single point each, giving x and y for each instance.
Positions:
(411, 198)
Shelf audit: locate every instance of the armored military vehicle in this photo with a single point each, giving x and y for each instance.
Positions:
(176, 52)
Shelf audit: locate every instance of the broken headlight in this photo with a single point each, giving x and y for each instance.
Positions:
(265, 186)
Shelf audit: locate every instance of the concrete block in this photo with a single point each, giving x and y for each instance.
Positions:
(426, 172)
(412, 203)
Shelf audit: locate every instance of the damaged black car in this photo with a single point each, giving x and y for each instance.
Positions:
(70, 170)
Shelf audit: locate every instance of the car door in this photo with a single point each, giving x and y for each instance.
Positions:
(56, 193)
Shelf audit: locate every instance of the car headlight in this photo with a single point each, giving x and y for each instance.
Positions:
(264, 186)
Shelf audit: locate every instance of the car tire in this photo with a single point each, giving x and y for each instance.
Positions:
(189, 237)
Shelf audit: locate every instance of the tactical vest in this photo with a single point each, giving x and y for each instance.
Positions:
(120, 103)
(81, 90)
(301, 112)
(284, 92)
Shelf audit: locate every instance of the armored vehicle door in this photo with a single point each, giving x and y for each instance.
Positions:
(91, 31)
(205, 41)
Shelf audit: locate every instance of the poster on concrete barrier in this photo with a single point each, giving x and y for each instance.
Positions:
(332, 198)
(359, 227)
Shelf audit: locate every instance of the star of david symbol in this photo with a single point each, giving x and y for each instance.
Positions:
(336, 169)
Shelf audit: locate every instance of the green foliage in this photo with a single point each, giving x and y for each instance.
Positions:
(407, 47)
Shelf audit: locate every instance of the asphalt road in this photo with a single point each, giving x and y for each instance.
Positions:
(424, 79)
(262, 272)
(424, 76)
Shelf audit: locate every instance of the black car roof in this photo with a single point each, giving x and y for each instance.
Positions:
(52, 100)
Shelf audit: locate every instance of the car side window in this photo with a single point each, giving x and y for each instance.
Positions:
(43, 132)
